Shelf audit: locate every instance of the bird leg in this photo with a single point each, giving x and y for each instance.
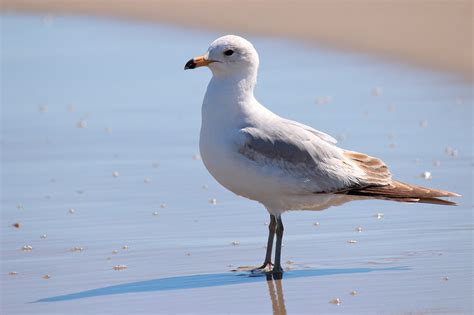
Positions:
(271, 233)
(279, 233)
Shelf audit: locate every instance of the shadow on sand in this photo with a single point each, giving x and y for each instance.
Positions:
(205, 280)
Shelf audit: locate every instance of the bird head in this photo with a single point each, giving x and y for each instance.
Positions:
(227, 55)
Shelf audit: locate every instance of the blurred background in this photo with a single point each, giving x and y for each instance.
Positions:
(107, 208)
(427, 32)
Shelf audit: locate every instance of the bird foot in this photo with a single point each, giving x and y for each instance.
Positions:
(277, 270)
(266, 267)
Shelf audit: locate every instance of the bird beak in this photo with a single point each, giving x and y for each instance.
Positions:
(197, 62)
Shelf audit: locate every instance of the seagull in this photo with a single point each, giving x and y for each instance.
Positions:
(281, 163)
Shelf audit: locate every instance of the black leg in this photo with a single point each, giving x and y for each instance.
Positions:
(279, 233)
(271, 233)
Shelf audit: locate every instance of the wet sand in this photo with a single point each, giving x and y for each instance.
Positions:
(98, 116)
(435, 34)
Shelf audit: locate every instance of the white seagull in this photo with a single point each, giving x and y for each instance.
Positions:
(283, 164)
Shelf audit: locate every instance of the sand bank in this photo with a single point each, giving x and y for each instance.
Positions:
(436, 34)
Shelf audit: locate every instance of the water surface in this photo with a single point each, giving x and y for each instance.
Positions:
(125, 84)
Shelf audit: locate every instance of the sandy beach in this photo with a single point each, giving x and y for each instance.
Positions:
(108, 209)
(435, 34)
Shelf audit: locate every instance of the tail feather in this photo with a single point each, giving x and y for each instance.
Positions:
(398, 191)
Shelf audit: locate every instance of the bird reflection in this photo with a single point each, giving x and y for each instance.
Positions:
(275, 290)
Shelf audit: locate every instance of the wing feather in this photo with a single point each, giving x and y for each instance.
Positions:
(376, 172)
(320, 134)
(294, 151)
(300, 154)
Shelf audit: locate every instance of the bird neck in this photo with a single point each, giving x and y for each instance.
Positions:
(228, 100)
(231, 90)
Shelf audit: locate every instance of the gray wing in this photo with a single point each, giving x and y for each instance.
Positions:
(298, 152)
(319, 134)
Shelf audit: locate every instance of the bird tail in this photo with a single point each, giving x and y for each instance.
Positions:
(398, 191)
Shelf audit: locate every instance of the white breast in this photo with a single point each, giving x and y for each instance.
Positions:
(222, 160)
(220, 140)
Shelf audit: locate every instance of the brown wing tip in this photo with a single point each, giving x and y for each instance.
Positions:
(436, 201)
(444, 193)
(424, 192)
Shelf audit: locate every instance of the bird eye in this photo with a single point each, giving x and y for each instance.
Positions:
(228, 52)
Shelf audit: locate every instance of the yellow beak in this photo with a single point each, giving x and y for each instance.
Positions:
(197, 62)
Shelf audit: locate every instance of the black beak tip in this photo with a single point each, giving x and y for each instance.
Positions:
(190, 64)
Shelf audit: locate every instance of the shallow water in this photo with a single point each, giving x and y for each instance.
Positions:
(124, 83)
